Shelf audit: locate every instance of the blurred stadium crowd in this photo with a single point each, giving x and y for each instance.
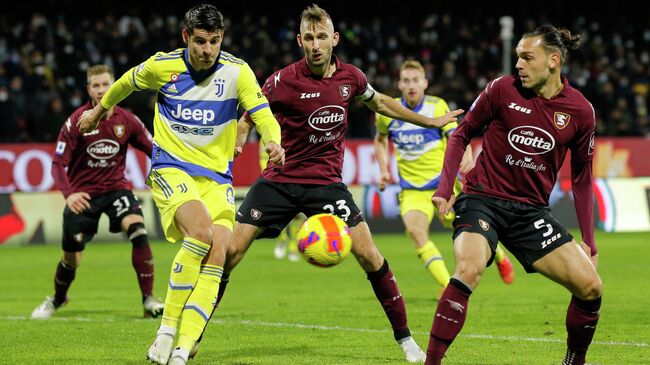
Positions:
(44, 55)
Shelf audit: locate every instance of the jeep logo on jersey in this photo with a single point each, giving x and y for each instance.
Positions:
(531, 140)
(327, 117)
(404, 138)
(196, 115)
(103, 149)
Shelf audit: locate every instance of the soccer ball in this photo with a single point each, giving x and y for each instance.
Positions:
(324, 240)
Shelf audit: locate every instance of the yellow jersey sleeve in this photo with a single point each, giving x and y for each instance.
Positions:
(249, 92)
(141, 77)
(252, 98)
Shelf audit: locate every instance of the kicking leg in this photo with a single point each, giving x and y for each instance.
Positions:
(242, 237)
(386, 290)
(194, 222)
(472, 253)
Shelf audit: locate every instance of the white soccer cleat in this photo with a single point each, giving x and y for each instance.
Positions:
(161, 349)
(412, 352)
(153, 307)
(179, 357)
(46, 309)
(280, 250)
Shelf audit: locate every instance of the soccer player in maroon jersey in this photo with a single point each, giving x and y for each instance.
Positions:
(310, 98)
(94, 184)
(532, 119)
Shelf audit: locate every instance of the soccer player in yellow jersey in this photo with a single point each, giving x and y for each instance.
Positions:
(195, 123)
(420, 155)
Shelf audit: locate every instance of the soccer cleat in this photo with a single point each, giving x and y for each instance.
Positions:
(179, 357)
(47, 308)
(152, 307)
(280, 250)
(412, 352)
(161, 349)
(505, 270)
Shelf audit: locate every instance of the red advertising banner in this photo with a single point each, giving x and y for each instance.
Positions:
(26, 167)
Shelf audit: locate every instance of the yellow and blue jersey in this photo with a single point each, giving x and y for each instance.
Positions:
(420, 152)
(195, 119)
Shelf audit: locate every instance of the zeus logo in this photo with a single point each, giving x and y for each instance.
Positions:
(197, 131)
(197, 115)
(519, 108)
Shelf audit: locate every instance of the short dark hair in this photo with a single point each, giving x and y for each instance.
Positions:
(556, 40)
(203, 16)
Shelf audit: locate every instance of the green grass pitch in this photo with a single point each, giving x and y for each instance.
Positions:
(278, 312)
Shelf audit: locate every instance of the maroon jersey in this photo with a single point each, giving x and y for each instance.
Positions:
(313, 114)
(526, 140)
(524, 146)
(96, 160)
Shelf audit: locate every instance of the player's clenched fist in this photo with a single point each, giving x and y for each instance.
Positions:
(276, 153)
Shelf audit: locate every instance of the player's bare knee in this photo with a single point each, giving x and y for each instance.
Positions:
(416, 233)
(71, 259)
(468, 273)
(203, 233)
(593, 289)
(137, 234)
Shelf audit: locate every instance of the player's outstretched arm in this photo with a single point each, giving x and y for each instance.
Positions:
(381, 153)
(387, 106)
(140, 77)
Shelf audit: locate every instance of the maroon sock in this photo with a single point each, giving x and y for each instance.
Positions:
(385, 287)
(449, 320)
(142, 260)
(62, 281)
(581, 319)
(225, 278)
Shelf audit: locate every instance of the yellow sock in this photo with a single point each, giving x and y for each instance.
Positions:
(284, 235)
(499, 255)
(293, 228)
(196, 312)
(183, 278)
(433, 262)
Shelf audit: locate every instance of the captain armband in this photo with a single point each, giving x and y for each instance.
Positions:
(368, 94)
